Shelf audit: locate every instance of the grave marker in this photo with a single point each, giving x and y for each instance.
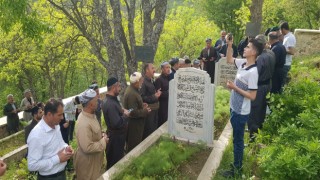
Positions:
(191, 105)
(224, 72)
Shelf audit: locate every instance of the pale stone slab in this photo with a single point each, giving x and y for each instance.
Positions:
(307, 42)
(224, 72)
(15, 155)
(191, 105)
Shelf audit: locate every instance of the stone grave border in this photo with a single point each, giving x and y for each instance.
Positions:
(209, 169)
(17, 154)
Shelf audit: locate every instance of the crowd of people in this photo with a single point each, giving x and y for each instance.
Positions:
(262, 68)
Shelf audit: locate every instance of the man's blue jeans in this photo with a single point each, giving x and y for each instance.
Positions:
(238, 123)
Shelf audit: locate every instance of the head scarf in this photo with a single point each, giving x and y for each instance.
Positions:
(87, 96)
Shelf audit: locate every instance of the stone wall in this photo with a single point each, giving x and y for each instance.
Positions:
(3, 131)
(308, 41)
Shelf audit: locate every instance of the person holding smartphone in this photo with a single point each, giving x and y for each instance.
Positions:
(243, 91)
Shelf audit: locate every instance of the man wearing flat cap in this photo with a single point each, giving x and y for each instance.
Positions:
(209, 56)
(88, 158)
(27, 104)
(196, 64)
(116, 119)
(138, 111)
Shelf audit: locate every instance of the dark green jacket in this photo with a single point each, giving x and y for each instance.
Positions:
(132, 100)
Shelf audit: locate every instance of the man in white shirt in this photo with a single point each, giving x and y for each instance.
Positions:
(70, 114)
(289, 43)
(47, 152)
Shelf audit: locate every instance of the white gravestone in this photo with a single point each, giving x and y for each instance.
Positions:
(224, 72)
(191, 105)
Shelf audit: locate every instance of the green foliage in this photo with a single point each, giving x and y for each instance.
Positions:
(287, 10)
(160, 161)
(224, 14)
(18, 12)
(221, 109)
(292, 131)
(184, 33)
(23, 172)
(60, 65)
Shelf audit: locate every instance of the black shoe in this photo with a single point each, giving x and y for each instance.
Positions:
(233, 172)
(228, 174)
(252, 139)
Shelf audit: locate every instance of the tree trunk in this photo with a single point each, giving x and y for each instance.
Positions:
(152, 28)
(105, 32)
(256, 12)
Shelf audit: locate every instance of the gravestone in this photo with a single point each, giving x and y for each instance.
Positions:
(224, 72)
(191, 105)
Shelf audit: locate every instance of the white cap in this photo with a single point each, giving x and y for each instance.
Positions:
(135, 77)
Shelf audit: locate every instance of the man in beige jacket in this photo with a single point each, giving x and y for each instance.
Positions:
(88, 159)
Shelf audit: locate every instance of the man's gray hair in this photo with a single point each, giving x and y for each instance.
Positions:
(261, 38)
(9, 95)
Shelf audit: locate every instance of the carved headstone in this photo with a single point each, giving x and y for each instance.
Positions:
(191, 105)
(224, 72)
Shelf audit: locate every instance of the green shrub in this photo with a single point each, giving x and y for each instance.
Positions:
(221, 109)
(292, 131)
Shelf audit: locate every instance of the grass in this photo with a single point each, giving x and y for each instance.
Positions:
(161, 161)
(12, 144)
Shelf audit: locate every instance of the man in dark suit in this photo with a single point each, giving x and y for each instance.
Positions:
(11, 111)
(209, 56)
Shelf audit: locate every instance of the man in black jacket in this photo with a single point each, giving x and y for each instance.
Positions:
(116, 120)
(37, 114)
(162, 83)
(11, 110)
(265, 65)
(150, 95)
(280, 53)
(209, 56)
(174, 62)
